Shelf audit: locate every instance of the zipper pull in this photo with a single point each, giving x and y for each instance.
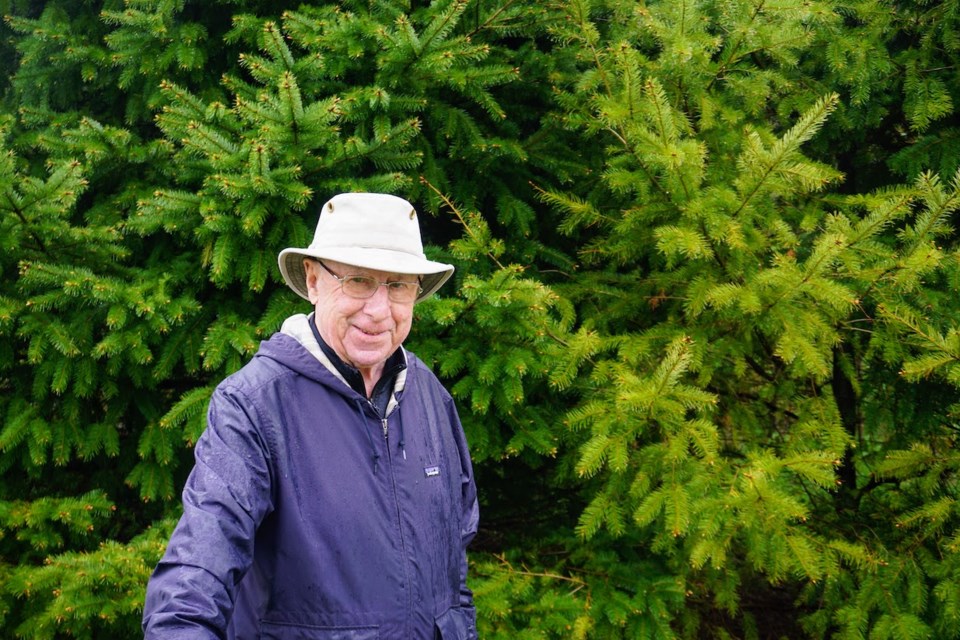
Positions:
(384, 422)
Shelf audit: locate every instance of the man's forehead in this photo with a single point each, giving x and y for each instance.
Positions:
(344, 269)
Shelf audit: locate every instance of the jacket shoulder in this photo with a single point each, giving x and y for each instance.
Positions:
(426, 377)
(420, 367)
(268, 365)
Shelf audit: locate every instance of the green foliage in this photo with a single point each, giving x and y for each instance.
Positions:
(702, 332)
(93, 593)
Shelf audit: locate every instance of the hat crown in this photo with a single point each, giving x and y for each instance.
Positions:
(369, 230)
(368, 221)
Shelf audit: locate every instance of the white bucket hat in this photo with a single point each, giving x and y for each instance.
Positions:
(370, 230)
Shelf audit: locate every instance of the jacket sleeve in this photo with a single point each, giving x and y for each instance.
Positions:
(470, 518)
(227, 495)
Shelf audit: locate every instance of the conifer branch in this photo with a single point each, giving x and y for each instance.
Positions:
(585, 28)
(788, 144)
(41, 245)
(491, 18)
(938, 206)
(460, 218)
(652, 178)
(443, 28)
(537, 574)
(665, 128)
(736, 46)
(290, 99)
(277, 46)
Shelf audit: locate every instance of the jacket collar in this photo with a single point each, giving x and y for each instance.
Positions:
(381, 391)
(301, 327)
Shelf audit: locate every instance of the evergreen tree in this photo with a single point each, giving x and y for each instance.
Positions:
(752, 414)
(702, 334)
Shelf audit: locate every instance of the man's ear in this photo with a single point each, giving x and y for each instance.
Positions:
(312, 274)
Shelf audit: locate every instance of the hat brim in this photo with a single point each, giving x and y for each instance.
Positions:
(432, 274)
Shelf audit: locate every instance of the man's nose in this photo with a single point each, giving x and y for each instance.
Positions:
(379, 303)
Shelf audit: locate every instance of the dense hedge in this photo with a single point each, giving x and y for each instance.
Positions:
(703, 331)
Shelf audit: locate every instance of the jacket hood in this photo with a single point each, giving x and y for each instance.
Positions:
(302, 354)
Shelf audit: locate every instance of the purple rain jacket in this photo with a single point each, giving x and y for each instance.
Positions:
(307, 516)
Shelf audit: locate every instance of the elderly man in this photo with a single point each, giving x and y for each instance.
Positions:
(332, 496)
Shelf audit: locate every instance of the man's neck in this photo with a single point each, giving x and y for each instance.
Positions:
(367, 382)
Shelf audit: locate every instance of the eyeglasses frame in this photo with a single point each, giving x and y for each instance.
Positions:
(380, 283)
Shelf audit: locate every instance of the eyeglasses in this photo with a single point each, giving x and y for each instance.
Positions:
(362, 287)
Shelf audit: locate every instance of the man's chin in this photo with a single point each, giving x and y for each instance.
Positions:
(366, 358)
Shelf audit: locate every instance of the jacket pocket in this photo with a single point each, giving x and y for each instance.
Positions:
(455, 624)
(281, 631)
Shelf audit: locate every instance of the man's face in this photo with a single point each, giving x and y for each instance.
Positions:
(364, 332)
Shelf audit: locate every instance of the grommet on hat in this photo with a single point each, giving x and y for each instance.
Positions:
(370, 230)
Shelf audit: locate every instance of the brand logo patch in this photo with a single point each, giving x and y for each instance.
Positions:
(431, 471)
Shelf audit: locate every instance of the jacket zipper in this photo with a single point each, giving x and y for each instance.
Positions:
(403, 545)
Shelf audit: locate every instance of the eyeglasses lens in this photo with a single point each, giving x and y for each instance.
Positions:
(366, 287)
